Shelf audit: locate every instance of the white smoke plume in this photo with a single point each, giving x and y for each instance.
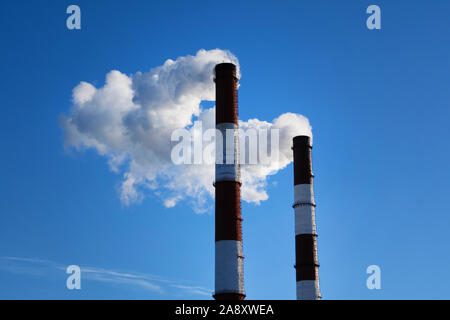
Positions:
(130, 120)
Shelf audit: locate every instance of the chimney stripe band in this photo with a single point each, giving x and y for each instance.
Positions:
(304, 209)
(303, 194)
(227, 153)
(305, 220)
(226, 93)
(228, 211)
(306, 262)
(229, 267)
(302, 160)
(308, 290)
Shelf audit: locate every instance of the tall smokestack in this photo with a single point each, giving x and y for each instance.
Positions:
(229, 282)
(306, 263)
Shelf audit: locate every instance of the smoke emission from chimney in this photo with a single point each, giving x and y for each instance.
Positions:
(129, 121)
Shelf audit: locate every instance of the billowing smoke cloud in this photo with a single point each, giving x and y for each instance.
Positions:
(131, 118)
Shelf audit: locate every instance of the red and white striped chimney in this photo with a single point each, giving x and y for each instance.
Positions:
(306, 263)
(229, 262)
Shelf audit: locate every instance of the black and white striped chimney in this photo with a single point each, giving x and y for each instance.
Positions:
(306, 263)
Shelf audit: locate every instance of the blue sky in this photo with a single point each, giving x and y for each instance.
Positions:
(377, 102)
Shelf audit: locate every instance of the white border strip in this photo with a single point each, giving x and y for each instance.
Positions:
(308, 290)
(229, 267)
(227, 153)
(305, 220)
(304, 194)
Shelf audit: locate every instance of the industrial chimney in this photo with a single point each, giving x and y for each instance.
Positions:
(229, 262)
(306, 263)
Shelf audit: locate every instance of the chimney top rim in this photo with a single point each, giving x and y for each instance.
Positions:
(225, 66)
(302, 140)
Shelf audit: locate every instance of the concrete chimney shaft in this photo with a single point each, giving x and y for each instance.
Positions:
(229, 259)
(306, 262)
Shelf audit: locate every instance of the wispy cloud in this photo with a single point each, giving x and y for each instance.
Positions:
(149, 282)
(196, 290)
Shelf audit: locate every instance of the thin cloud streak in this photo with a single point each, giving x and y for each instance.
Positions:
(149, 282)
